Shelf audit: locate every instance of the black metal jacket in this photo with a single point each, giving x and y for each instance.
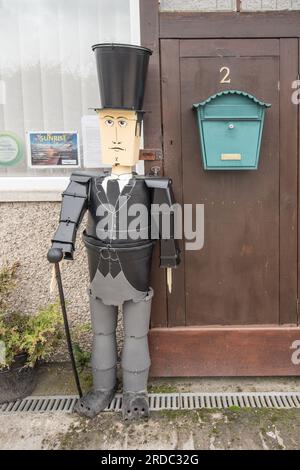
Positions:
(114, 226)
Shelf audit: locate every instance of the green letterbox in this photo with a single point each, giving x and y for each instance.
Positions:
(230, 126)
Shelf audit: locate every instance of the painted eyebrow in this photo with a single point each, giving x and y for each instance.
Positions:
(108, 117)
(122, 117)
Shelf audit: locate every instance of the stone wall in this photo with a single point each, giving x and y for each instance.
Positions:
(25, 233)
(25, 236)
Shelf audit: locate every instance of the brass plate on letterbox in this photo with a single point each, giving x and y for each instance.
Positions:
(231, 156)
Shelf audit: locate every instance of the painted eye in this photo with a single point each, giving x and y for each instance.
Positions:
(109, 122)
(122, 123)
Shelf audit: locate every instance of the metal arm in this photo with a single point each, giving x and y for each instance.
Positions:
(163, 199)
(74, 206)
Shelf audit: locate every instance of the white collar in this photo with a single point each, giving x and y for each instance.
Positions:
(122, 180)
(122, 176)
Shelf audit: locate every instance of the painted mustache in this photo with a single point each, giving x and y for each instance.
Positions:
(116, 148)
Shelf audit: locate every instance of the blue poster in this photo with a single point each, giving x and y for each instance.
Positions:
(53, 149)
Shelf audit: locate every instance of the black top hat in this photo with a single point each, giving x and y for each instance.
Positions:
(122, 71)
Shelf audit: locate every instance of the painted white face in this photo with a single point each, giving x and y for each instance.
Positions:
(120, 136)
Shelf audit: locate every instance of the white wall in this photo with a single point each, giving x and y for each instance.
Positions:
(256, 5)
(228, 5)
(197, 5)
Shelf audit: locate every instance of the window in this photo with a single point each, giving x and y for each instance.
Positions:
(48, 76)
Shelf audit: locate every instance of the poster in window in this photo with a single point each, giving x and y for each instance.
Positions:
(53, 149)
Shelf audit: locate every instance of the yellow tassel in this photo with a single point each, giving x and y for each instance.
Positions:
(169, 279)
(53, 279)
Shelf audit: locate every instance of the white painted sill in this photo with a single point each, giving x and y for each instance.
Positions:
(32, 188)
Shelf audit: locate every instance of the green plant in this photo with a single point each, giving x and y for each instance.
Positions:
(35, 335)
(8, 276)
(82, 357)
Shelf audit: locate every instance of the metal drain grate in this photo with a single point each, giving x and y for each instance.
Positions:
(190, 401)
(40, 405)
(163, 401)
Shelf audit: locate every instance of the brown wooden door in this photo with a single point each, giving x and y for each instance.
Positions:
(246, 273)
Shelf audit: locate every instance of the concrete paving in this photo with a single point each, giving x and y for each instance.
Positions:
(234, 428)
(201, 429)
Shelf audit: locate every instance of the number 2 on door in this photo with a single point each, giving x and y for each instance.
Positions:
(226, 75)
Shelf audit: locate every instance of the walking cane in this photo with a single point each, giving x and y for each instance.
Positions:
(55, 255)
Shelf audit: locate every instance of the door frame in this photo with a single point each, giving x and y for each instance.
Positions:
(246, 349)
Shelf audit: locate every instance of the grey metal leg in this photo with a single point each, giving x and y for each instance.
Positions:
(135, 355)
(104, 350)
(135, 358)
(104, 359)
